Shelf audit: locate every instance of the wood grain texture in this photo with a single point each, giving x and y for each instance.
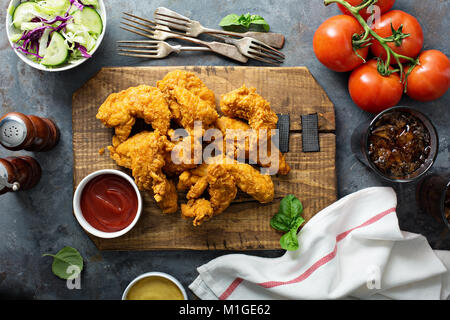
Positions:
(245, 224)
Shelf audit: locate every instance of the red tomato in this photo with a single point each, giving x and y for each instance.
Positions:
(410, 46)
(430, 79)
(373, 92)
(333, 44)
(384, 5)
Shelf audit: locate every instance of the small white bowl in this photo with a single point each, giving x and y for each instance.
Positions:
(155, 274)
(24, 58)
(79, 214)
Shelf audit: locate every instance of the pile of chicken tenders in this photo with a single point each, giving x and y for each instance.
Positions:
(164, 161)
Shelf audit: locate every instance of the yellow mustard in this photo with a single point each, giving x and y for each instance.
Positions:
(154, 288)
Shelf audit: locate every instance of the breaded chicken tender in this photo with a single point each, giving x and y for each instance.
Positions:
(144, 154)
(121, 109)
(189, 99)
(246, 104)
(245, 143)
(221, 177)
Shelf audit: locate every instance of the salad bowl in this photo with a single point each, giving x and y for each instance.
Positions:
(13, 33)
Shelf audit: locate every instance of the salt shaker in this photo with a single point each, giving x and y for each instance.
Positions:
(18, 173)
(30, 133)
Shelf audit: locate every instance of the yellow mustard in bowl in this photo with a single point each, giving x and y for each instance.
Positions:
(154, 288)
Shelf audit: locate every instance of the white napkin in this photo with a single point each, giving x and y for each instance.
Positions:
(352, 249)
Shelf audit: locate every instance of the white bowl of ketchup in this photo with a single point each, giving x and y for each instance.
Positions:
(107, 203)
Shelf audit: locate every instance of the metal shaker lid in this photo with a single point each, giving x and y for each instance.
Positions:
(13, 131)
(4, 180)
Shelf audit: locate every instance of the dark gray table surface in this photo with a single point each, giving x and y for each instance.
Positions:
(41, 220)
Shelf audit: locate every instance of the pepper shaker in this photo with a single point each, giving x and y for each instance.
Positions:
(18, 173)
(30, 133)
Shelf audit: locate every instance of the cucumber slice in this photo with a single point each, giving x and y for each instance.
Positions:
(24, 12)
(26, 26)
(53, 7)
(93, 3)
(57, 52)
(90, 19)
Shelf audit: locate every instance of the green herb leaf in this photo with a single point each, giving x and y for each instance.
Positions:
(243, 23)
(231, 19)
(289, 240)
(288, 219)
(67, 261)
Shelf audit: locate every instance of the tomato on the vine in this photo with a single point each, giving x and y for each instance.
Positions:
(373, 92)
(406, 32)
(333, 43)
(430, 79)
(384, 5)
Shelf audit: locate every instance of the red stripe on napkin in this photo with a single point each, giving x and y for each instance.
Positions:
(315, 266)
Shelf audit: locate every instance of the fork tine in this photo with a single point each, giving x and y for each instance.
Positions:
(137, 32)
(165, 12)
(260, 53)
(139, 41)
(140, 23)
(264, 47)
(139, 55)
(263, 60)
(171, 19)
(171, 24)
(139, 51)
(139, 18)
(136, 27)
(139, 47)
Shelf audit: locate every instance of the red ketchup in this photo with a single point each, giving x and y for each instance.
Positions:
(109, 203)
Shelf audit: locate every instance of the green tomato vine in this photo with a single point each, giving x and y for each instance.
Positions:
(364, 39)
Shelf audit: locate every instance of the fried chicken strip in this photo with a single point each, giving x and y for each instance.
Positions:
(246, 143)
(144, 154)
(246, 104)
(222, 190)
(189, 99)
(220, 178)
(121, 109)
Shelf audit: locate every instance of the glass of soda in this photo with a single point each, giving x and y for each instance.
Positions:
(400, 144)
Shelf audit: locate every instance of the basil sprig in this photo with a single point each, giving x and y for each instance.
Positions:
(244, 22)
(65, 262)
(288, 219)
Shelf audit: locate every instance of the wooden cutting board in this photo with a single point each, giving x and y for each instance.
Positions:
(245, 224)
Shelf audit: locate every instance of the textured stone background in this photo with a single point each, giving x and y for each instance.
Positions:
(41, 220)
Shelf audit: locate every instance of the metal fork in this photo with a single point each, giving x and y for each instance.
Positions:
(152, 49)
(193, 28)
(249, 47)
(151, 30)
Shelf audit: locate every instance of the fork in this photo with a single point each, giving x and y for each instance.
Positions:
(248, 46)
(251, 48)
(155, 32)
(193, 28)
(152, 49)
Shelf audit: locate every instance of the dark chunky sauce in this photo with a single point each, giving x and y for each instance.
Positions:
(399, 144)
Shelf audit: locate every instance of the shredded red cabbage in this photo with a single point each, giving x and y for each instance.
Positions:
(82, 50)
(28, 52)
(77, 4)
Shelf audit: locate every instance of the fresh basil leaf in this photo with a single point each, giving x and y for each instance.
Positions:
(280, 222)
(290, 206)
(289, 240)
(65, 262)
(288, 219)
(231, 19)
(259, 26)
(244, 23)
